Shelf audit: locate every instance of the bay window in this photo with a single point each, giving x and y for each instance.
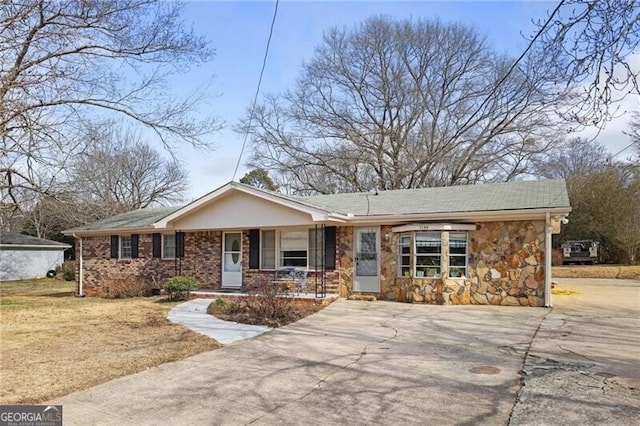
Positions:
(421, 255)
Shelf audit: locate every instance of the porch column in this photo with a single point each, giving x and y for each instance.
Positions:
(80, 269)
(547, 261)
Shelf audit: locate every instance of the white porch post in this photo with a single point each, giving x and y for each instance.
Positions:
(547, 261)
(80, 283)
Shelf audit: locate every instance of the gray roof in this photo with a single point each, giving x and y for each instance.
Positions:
(467, 198)
(137, 219)
(452, 199)
(14, 239)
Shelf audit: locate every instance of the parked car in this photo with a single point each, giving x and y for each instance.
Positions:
(582, 252)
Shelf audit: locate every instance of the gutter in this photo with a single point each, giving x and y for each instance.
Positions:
(548, 228)
(59, 247)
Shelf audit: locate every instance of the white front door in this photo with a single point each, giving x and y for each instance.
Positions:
(232, 259)
(366, 257)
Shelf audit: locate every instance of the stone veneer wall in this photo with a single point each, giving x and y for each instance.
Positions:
(505, 267)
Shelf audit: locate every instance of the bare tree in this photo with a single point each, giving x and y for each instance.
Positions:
(400, 104)
(590, 43)
(574, 156)
(120, 173)
(64, 64)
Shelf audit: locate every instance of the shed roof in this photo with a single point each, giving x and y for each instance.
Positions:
(15, 240)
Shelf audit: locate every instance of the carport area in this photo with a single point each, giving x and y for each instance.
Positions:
(381, 363)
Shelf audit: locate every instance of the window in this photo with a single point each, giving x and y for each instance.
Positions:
(316, 243)
(125, 247)
(268, 250)
(420, 255)
(293, 248)
(428, 249)
(168, 246)
(404, 249)
(457, 255)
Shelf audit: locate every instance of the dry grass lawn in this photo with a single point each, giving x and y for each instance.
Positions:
(628, 272)
(53, 343)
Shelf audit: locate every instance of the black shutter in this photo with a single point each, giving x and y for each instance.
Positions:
(254, 249)
(134, 245)
(179, 244)
(330, 248)
(115, 246)
(157, 245)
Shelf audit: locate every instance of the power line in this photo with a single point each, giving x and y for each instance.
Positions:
(515, 64)
(255, 98)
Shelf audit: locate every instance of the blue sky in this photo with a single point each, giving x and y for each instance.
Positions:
(238, 31)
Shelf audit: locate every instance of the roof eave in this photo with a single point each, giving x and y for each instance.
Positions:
(42, 246)
(481, 216)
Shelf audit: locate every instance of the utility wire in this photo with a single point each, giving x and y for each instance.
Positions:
(515, 64)
(255, 98)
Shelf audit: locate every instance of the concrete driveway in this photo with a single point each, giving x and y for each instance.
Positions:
(354, 363)
(584, 364)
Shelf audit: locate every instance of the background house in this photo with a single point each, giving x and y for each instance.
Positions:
(23, 256)
(485, 244)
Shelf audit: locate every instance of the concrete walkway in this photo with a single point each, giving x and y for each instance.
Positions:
(193, 314)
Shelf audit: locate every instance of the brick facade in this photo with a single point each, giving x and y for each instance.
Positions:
(505, 266)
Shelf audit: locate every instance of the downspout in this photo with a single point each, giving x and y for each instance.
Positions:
(80, 268)
(547, 261)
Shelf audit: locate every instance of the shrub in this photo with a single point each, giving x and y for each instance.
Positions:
(180, 287)
(122, 288)
(69, 272)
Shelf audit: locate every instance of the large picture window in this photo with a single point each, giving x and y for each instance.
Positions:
(300, 248)
(168, 246)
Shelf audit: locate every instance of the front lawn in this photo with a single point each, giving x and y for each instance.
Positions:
(53, 343)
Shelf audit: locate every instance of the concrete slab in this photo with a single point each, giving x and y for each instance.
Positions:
(193, 314)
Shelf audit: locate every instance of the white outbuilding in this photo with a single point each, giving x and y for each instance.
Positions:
(24, 257)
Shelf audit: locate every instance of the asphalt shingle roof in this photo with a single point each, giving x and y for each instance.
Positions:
(467, 198)
(15, 239)
(137, 219)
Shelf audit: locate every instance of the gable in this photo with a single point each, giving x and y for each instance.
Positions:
(239, 210)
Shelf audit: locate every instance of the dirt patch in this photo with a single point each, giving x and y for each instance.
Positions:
(54, 343)
(627, 272)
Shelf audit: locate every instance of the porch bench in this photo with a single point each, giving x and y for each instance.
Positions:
(290, 279)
